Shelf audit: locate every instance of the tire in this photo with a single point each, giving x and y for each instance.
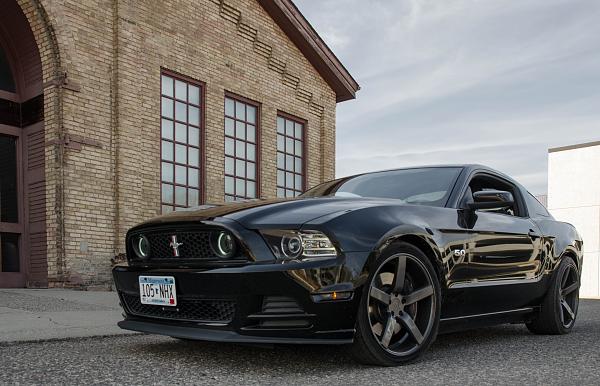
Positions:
(559, 309)
(393, 304)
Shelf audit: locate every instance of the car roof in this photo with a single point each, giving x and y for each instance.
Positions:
(467, 168)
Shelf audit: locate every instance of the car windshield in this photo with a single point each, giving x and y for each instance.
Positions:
(422, 186)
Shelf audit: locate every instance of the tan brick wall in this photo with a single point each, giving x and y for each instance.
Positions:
(115, 51)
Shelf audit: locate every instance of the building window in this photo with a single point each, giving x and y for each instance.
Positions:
(241, 148)
(181, 142)
(290, 156)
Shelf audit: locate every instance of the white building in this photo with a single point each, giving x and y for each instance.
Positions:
(574, 197)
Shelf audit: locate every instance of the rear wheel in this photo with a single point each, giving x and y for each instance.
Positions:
(400, 308)
(559, 310)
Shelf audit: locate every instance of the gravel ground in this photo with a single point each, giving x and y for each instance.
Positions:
(499, 355)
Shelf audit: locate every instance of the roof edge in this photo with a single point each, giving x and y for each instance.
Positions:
(572, 147)
(289, 18)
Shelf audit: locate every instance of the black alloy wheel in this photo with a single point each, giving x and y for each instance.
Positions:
(399, 313)
(559, 310)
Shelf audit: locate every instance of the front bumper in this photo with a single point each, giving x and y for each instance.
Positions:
(271, 303)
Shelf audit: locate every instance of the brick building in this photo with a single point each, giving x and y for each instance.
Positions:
(112, 111)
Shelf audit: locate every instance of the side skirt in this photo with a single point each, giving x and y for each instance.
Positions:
(462, 323)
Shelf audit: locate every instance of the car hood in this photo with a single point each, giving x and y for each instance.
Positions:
(272, 213)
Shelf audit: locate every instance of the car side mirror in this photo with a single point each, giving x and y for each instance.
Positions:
(491, 199)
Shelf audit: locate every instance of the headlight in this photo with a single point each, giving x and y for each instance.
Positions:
(141, 246)
(303, 245)
(223, 244)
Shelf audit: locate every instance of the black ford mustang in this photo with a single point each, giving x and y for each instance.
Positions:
(383, 261)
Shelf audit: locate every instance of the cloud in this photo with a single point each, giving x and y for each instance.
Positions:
(492, 82)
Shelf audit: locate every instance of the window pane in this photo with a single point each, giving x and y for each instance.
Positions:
(298, 165)
(229, 165)
(240, 168)
(240, 130)
(166, 129)
(229, 150)
(229, 198)
(167, 208)
(240, 149)
(289, 145)
(251, 133)
(280, 193)
(251, 189)
(229, 127)
(289, 163)
(167, 107)
(280, 143)
(240, 187)
(9, 195)
(229, 185)
(180, 174)
(280, 125)
(298, 130)
(289, 180)
(192, 197)
(194, 156)
(9, 250)
(180, 195)
(180, 132)
(167, 193)
(167, 172)
(180, 111)
(229, 107)
(180, 90)
(193, 179)
(280, 178)
(194, 95)
(289, 193)
(194, 118)
(289, 128)
(251, 152)
(180, 154)
(280, 160)
(251, 171)
(240, 110)
(251, 111)
(167, 85)
(167, 151)
(298, 182)
(194, 136)
(298, 145)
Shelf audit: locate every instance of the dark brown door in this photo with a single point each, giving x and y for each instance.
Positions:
(13, 267)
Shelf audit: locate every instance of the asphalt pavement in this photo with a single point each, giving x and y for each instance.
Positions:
(34, 315)
(499, 355)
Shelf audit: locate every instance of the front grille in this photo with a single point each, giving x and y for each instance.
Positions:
(194, 245)
(187, 309)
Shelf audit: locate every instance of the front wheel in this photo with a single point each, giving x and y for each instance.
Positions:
(400, 308)
(559, 309)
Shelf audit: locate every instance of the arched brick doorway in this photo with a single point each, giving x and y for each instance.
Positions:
(23, 259)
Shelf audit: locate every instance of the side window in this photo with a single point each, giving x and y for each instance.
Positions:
(487, 182)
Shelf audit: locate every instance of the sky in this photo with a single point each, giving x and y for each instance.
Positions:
(463, 81)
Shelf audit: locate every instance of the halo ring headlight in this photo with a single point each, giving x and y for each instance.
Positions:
(141, 246)
(291, 245)
(223, 244)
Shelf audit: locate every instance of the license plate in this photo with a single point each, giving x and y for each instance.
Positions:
(158, 290)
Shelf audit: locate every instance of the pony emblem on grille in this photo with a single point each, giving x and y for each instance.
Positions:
(175, 245)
